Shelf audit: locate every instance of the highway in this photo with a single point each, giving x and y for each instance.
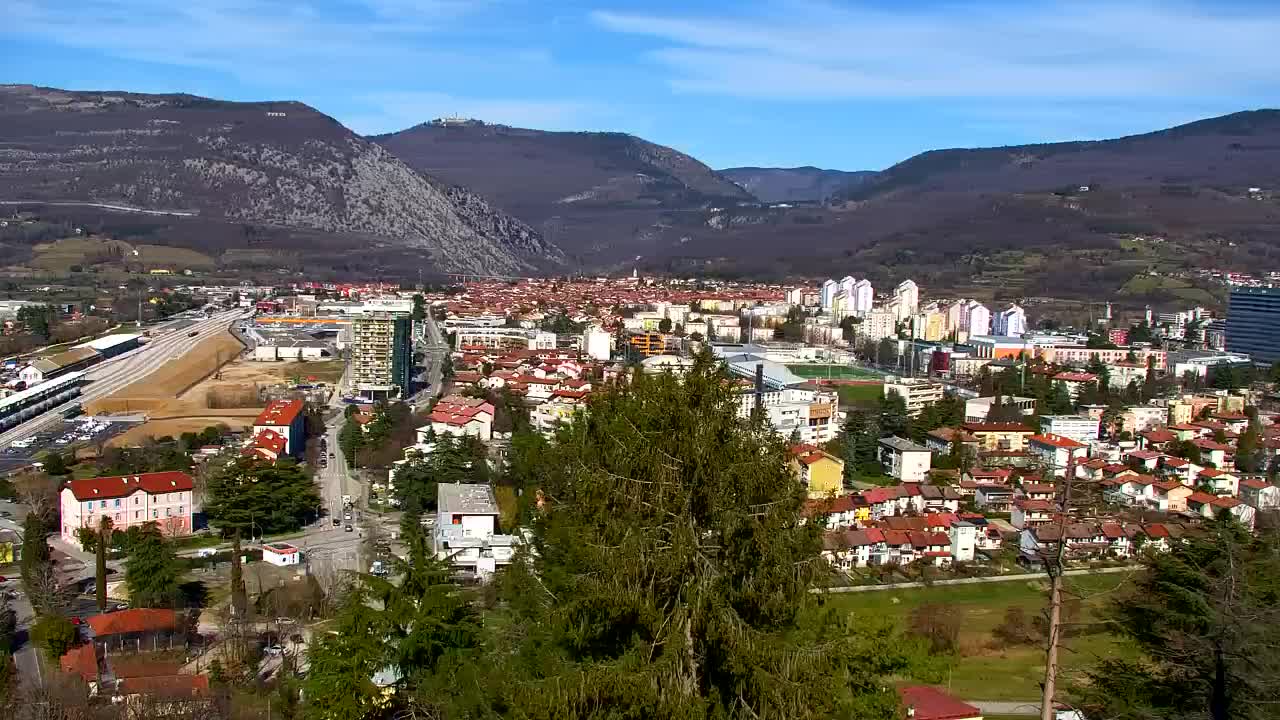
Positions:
(118, 372)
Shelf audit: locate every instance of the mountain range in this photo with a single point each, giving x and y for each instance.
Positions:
(279, 184)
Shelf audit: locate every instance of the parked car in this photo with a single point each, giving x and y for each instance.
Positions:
(349, 528)
(337, 522)
(273, 650)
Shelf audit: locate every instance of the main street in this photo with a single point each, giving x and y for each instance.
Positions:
(119, 372)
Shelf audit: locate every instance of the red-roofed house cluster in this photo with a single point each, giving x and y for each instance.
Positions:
(280, 429)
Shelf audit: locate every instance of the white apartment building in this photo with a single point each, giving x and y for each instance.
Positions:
(503, 338)
(596, 343)
(915, 392)
(863, 296)
(1081, 428)
(802, 410)
(1009, 322)
(979, 319)
(907, 295)
(828, 293)
(878, 325)
(905, 460)
(381, 354)
(466, 532)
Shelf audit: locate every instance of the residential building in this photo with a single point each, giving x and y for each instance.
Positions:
(1075, 382)
(999, 347)
(923, 702)
(1141, 418)
(977, 410)
(561, 408)
(863, 297)
(466, 532)
(596, 343)
(878, 325)
(1253, 323)
(381, 355)
(1081, 428)
(286, 419)
(905, 460)
(915, 393)
(164, 498)
(821, 473)
(803, 409)
(964, 538)
(461, 416)
(828, 293)
(1259, 494)
(979, 319)
(999, 436)
(1010, 322)
(907, 295)
(648, 344)
(1077, 356)
(1057, 452)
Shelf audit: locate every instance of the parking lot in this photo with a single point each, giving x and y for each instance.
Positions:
(72, 433)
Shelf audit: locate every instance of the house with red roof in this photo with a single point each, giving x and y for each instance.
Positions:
(923, 702)
(1223, 483)
(268, 445)
(847, 549)
(1031, 513)
(285, 418)
(1259, 494)
(461, 416)
(164, 498)
(1056, 452)
(1075, 382)
(1170, 496)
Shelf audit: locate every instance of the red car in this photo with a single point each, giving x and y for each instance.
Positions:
(75, 620)
(3, 579)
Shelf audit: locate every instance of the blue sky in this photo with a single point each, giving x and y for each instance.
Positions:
(849, 85)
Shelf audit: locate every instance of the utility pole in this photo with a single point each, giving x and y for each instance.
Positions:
(1054, 568)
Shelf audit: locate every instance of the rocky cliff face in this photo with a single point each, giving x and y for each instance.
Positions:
(280, 164)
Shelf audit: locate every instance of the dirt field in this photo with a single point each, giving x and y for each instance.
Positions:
(93, 251)
(176, 426)
(155, 394)
(228, 398)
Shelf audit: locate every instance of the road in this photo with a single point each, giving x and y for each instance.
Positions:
(104, 206)
(112, 375)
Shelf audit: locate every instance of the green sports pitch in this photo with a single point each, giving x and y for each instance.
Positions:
(835, 372)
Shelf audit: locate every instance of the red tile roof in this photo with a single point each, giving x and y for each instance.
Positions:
(168, 686)
(1057, 441)
(270, 440)
(279, 413)
(928, 703)
(125, 485)
(81, 660)
(133, 620)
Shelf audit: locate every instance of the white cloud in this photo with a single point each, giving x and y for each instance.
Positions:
(267, 41)
(1062, 50)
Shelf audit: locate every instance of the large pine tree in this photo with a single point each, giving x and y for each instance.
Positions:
(671, 573)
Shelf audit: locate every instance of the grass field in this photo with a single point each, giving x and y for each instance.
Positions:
(985, 670)
(60, 255)
(859, 394)
(835, 372)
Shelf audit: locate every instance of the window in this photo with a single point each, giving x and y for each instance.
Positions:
(155, 514)
(137, 514)
(117, 502)
(102, 503)
(136, 500)
(168, 512)
(181, 510)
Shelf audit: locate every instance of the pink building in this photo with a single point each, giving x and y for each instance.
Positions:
(164, 498)
(285, 418)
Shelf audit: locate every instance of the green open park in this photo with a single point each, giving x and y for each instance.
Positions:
(986, 667)
(834, 372)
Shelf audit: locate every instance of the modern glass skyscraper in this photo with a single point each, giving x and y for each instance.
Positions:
(1253, 323)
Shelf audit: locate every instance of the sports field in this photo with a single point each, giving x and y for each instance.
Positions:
(835, 372)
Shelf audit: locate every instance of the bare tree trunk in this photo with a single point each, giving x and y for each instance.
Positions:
(1055, 569)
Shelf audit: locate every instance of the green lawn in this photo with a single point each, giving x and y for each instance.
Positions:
(984, 669)
(835, 372)
(859, 394)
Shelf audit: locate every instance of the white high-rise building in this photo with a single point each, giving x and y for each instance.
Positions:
(879, 324)
(863, 297)
(841, 305)
(795, 296)
(1010, 322)
(846, 284)
(829, 290)
(908, 296)
(596, 343)
(979, 319)
(958, 316)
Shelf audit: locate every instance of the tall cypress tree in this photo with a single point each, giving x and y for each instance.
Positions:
(100, 565)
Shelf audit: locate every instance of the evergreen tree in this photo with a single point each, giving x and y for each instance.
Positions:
(1205, 617)
(261, 498)
(1060, 402)
(100, 562)
(671, 577)
(36, 560)
(151, 571)
(859, 438)
(894, 420)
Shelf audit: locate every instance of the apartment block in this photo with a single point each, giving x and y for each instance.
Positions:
(381, 354)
